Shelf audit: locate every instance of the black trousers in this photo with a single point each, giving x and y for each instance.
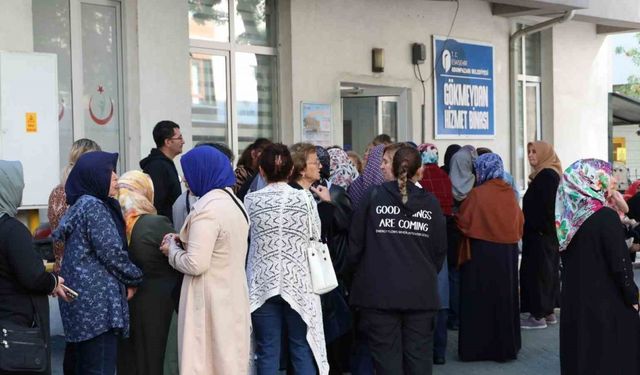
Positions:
(401, 342)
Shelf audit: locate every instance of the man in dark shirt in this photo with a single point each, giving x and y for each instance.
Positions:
(159, 165)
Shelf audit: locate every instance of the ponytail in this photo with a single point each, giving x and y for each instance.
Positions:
(402, 182)
(406, 163)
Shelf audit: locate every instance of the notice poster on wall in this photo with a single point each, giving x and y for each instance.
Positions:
(463, 89)
(316, 123)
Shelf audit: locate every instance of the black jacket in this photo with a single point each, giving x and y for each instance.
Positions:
(397, 250)
(22, 274)
(338, 236)
(166, 183)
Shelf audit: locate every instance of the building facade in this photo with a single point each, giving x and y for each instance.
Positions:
(234, 70)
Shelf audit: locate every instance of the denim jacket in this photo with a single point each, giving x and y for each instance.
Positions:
(96, 265)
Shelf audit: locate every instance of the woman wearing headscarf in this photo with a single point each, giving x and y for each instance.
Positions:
(600, 329)
(213, 319)
(151, 308)
(490, 221)
(371, 176)
(96, 264)
(283, 305)
(462, 181)
(436, 181)
(336, 166)
(448, 154)
(342, 170)
(24, 283)
(57, 206)
(58, 199)
(540, 265)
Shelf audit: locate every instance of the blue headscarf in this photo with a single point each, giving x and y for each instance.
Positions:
(91, 175)
(488, 166)
(206, 169)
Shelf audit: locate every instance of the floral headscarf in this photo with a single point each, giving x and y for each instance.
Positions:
(581, 193)
(371, 176)
(428, 153)
(343, 172)
(135, 194)
(488, 166)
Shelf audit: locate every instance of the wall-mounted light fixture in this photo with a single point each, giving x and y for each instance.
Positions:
(377, 60)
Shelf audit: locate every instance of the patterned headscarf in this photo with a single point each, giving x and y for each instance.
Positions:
(371, 176)
(488, 166)
(581, 193)
(547, 158)
(325, 162)
(428, 153)
(461, 172)
(11, 187)
(343, 172)
(135, 194)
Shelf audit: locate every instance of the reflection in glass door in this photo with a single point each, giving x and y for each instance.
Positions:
(101, 80)
(209, 97)
(388, 116)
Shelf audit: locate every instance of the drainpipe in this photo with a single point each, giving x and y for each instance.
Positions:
(513, 69)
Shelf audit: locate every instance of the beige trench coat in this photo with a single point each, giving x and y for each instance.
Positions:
(214, 319)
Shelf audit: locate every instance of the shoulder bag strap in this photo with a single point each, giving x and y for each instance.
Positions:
(237, 204)
(312, 227)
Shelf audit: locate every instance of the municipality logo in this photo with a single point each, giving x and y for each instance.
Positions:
(446, 60)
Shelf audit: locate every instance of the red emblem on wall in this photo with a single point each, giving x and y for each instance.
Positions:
(103, 101)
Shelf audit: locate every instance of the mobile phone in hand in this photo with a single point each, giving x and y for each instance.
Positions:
(72, 294)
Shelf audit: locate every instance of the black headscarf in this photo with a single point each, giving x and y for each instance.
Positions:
(91, 175)
(452, 149)
(325, 161)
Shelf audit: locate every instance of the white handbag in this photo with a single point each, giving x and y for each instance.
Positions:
(323, 276)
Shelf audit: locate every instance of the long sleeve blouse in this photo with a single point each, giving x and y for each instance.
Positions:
(98, 267)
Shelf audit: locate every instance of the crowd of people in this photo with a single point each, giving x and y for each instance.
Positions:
(214, 277)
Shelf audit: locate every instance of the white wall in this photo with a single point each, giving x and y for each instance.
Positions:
(581, 66)
(633, 148)
(332, 42)
(16, 26)
(162, 43)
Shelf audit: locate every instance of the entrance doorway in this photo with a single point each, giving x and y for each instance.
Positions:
(371, 110)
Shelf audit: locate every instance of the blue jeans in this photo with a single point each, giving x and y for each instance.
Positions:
(268, 323)
(97, 356)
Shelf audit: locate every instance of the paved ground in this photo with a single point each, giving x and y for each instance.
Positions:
(539, 355)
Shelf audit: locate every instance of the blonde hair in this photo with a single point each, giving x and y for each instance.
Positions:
(79, 147)
(299, 154)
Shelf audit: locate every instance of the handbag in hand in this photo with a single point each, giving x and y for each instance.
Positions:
(23, 348)
(323, 276)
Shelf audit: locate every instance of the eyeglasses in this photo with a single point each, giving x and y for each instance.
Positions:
(177, 138)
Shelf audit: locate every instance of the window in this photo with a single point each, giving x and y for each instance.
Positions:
(529, 122)
(86, 36)
(233, 71)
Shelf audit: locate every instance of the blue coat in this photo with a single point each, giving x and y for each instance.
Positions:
(97, 266)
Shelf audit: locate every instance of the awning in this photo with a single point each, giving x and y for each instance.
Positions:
(625, 110)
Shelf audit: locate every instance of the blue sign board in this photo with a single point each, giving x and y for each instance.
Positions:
(463, 89)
